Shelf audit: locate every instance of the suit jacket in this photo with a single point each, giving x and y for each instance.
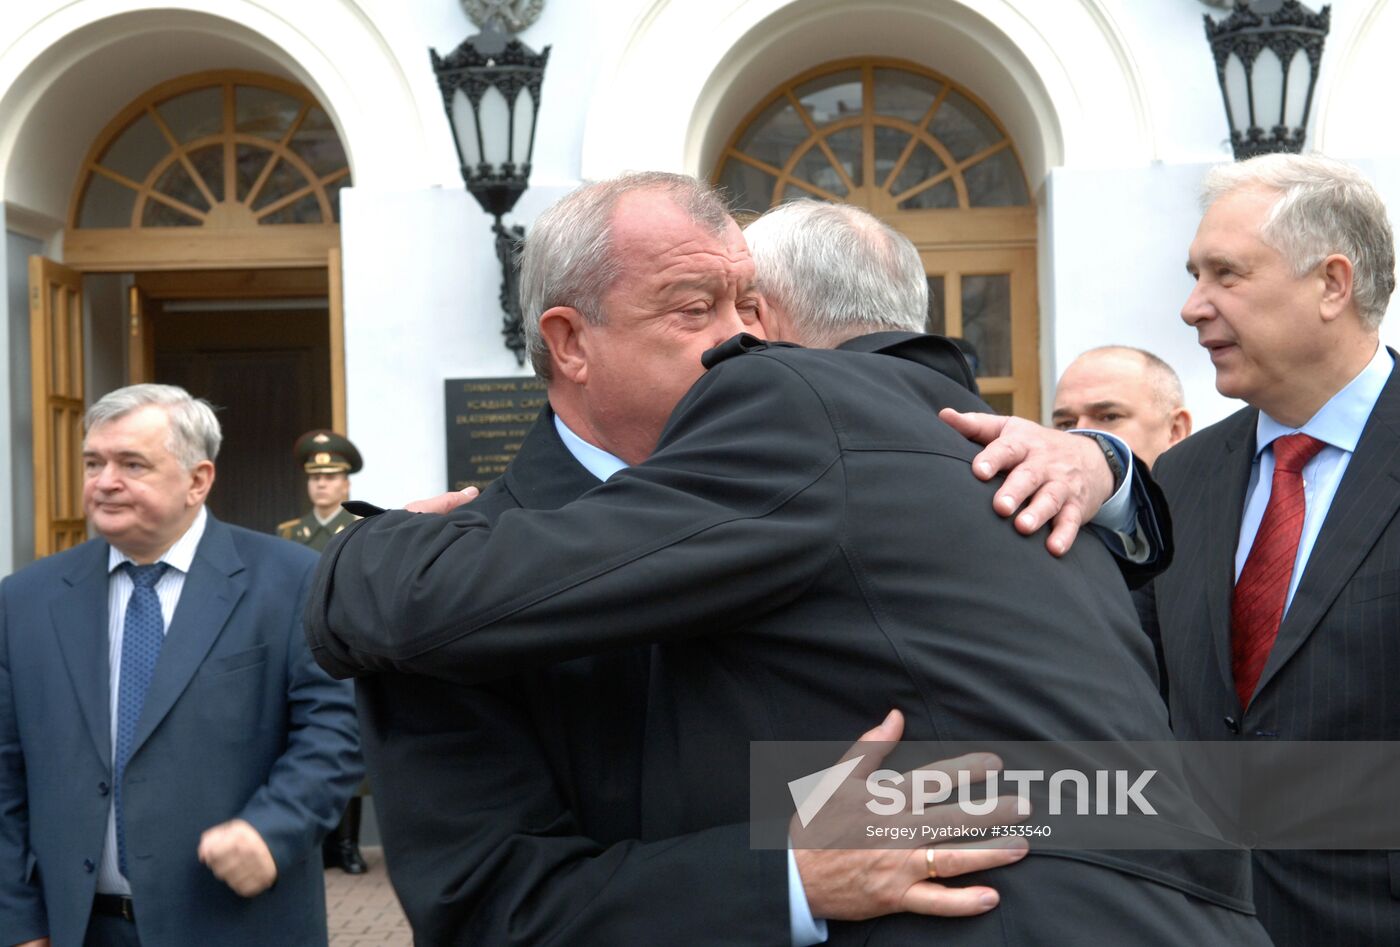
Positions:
(1331, 674)
(801, 577)
(239, 722)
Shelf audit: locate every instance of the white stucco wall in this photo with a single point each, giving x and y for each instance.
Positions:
(1112, 103)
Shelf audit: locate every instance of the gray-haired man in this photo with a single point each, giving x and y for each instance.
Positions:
(170, 756)
(1282, 624)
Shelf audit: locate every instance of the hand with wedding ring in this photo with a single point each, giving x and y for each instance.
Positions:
(849, 884)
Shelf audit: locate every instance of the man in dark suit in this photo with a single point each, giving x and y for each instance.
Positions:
(1283, 624)
(774, 463)
(511, 812)
(170, 756)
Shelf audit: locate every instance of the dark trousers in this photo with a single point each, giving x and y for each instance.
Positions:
(110, 932)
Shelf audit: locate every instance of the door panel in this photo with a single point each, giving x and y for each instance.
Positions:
(988, 297)
(267, 374)
(56, 357)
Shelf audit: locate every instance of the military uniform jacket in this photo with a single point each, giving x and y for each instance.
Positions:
(309, 532)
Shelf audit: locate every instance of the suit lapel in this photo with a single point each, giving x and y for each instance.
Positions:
(1366, 501)
(1224, 510)
(544, 475)
(80, 625)
(212, 589)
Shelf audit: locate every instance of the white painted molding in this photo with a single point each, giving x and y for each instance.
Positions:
(1063, 79)
(31, 223)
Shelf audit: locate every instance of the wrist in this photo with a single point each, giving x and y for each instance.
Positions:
(1116, 464)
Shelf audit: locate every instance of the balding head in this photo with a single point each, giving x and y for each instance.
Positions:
(1127, 392)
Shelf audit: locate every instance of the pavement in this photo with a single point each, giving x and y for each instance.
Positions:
(361, 910)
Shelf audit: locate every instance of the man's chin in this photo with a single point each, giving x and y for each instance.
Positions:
(110, 525)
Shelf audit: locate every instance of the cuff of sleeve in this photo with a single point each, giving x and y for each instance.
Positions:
(1119, 514)
(806, 930)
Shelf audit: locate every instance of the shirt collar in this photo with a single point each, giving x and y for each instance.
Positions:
(1340, 421)
(595, 460)
(180, 556)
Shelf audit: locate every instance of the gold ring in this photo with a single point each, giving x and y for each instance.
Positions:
(928, 861)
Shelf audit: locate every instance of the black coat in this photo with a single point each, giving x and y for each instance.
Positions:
(808, 547)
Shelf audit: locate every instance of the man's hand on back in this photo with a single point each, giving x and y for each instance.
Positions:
(846, 884)
(444, 502)
(1064, 476)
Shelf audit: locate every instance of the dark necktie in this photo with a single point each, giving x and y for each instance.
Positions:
(1261, 592)
(143, 633)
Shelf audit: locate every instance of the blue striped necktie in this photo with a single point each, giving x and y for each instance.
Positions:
(143, 633)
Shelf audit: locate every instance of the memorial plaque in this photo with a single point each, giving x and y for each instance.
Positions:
(487, 418)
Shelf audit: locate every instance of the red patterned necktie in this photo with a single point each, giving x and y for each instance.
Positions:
(1262, 589)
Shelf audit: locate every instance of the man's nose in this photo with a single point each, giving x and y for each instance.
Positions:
(1195, 308)
(106, 477)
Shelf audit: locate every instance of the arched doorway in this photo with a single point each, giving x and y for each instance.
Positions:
(927, 156)
(205, 225)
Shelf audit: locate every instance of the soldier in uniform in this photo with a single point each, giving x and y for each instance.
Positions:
(328, 459)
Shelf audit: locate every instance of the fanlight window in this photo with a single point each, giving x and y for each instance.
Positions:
(881, 136)
(216, 152)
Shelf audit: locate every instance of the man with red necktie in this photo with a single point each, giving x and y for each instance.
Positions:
(1280, 619)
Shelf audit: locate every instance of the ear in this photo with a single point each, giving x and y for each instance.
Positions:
(772, 321)
(1180, 426)
(562, 328)
(1336, 273)
(201, 480)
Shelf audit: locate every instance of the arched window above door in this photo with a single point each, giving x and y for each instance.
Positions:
(882, 135)
(924, 154)
(230, 156)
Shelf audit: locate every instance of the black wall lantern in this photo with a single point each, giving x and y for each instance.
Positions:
(1266, 58)
(491, 90)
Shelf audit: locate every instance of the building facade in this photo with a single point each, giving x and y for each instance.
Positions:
(261, 200)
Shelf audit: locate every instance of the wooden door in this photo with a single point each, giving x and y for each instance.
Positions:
(988, 297)
(56, 357)
(336, 300)
(140, 349)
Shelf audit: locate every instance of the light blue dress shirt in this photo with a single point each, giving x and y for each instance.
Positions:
(1338, 424)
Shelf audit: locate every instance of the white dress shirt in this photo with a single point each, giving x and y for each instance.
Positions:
(110, 880)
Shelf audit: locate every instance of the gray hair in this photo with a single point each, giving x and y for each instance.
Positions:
(194, 430)
(837, 271)
(568, 258)
(1324, 206)
(1163, 379)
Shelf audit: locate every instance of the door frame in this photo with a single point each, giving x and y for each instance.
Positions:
(58, 510)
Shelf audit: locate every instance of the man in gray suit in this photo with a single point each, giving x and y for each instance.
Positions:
(1283, 623)
(169, 754)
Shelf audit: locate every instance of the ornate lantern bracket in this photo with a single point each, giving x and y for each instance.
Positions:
(490, 87)
(1262, 92)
